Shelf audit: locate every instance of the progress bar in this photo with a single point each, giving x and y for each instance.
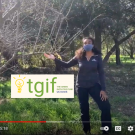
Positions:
(63, 121)
(22, 121)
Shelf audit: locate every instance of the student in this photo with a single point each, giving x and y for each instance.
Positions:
(90, 81)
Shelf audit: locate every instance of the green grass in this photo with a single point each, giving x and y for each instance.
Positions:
(54, 110)
(120, 88)
(124, 59)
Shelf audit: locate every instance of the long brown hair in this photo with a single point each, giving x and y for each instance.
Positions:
(80, 53)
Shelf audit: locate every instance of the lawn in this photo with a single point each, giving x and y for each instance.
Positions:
(124, 59)
(120, 88)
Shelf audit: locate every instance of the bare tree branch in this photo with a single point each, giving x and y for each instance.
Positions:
(12, 10)
(8, 62)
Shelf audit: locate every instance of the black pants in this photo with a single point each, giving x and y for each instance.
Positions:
(104, 106)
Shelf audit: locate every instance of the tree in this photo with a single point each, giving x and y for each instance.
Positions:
(118, 43)
(130, 47)
(23, 23)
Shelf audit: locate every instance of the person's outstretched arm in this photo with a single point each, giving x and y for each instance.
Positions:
(70, 63)
(101, 73)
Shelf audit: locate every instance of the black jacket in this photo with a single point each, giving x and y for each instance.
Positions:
(90, 72)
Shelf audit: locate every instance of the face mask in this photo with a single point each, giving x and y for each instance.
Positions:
(88, 47)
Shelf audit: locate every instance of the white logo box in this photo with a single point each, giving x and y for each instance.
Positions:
(42, 86)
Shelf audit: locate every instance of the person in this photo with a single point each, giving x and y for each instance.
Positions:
(90, 81)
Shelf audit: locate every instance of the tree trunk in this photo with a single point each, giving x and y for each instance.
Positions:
(98, 41)
(131, 52)
(107, 49)
(118, 62)
(106, 58)
(114, 47)
(132, 55)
